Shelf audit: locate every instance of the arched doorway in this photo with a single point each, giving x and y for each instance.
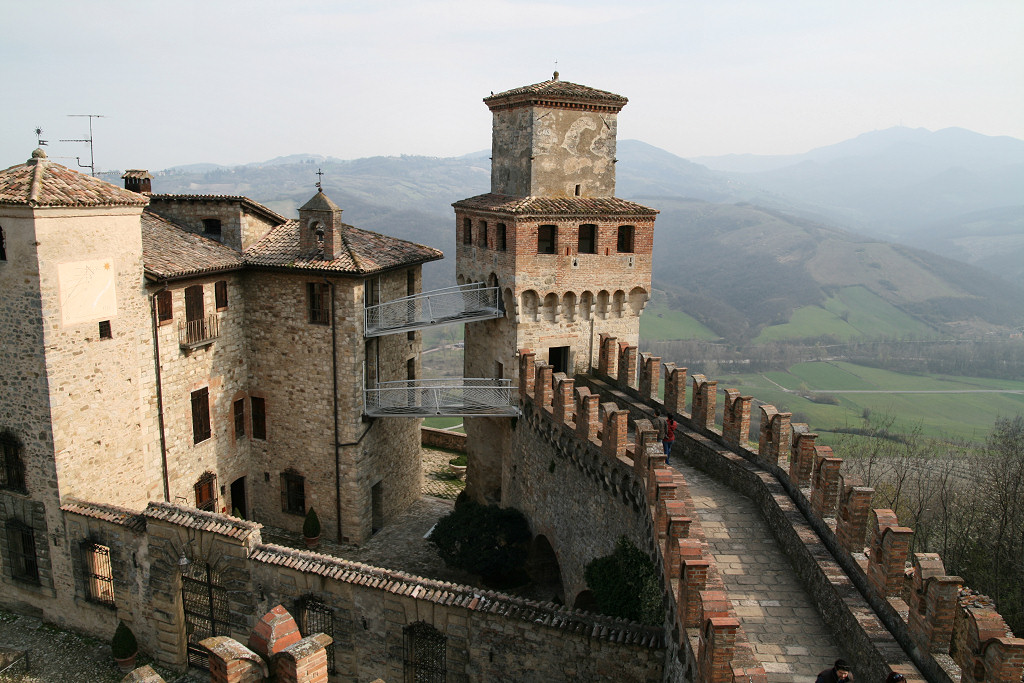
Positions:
(545, 574)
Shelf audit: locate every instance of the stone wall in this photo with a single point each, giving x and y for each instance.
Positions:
(443, 438)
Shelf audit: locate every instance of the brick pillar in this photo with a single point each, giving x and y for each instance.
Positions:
(608, 357)
(988, 652)
(716, 650)
(825, 482)
(613, 440)
(889, 546)
(232, 662)
(650, 374)
(854, 512)
(586, 414)
(275, 631)
(542, 389)
(627, 365)
(527, 372)
(693, 579)
(666, 491)
(563, 404)
(801, 457)
(680, 551)
(646, 435)
(303, 662)
(657, 473)
(775, 434)
(932, 603)
(702, 403)
(675, 389)
(736, 418)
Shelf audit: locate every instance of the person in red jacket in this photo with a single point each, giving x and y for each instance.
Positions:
(670, 436)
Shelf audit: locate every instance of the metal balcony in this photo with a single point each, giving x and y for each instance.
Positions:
(447, 396)
(463, 303)
(196, 333)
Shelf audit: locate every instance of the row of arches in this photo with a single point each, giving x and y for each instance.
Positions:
(588, 305)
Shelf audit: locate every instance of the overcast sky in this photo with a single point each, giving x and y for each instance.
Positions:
(236, 82)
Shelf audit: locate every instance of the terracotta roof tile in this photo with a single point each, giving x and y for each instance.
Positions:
(169, 251)
(202, 520)
(555, 206)
(365, 252)
(108, 513)
(554, 92)
(43, 183)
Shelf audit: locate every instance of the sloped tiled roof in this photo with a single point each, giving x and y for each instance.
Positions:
(364, 252)
(555, 206)
(108, 513)
(201, 520)
(555, 92)
(456, 595)
(43, 183)
(169, 251)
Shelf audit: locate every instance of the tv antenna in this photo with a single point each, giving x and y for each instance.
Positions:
(40, 142)
(92, 160)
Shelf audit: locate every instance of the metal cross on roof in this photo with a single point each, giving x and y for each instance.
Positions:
(319, 177)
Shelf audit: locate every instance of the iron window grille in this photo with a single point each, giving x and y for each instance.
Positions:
(424, 654)
(99, 576)
(316, 616)
(21, 546)
(319, 302)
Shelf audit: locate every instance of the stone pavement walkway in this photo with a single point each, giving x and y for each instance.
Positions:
(784, 629)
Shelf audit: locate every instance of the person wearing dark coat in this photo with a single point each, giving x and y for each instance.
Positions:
(839, 672)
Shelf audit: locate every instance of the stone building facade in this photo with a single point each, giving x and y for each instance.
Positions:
(195, 350)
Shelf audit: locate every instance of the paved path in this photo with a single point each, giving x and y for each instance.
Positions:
(784, 629)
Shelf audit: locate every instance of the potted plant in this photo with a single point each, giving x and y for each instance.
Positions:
(457, 465)
(124, 647)
(311, 529)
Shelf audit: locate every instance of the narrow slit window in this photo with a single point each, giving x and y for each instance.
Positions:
(239, 411)
(105, 331)
(164, 310)
(259, 417)
(483, 234)
(467, 231)
(499, 237)
(220, 289)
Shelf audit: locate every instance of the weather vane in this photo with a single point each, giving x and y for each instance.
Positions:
(319, 177)
(40, 142)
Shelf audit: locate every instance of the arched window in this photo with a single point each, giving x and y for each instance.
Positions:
(602, 304)
(12, 465)
(618, 303)
(530, 304)
(637, 300)
(551, 307)
(569, 307)
(586, 305)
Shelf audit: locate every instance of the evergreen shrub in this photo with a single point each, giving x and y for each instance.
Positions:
(625, 584)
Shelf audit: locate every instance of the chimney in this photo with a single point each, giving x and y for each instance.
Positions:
(138, 180)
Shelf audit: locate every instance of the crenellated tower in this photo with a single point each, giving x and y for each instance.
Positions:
(572, 260)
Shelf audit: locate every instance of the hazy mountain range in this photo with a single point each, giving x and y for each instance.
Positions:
(742, 240)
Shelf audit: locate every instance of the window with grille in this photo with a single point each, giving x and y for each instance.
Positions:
(239, 412)
(316, 616)
(625, 241)
(12, 466)
(220, 290)
(105, 330)
(546, 239)
(200, 415)
(588, 239)
(164, 312)
(99, 576)
(206, 492)
(424, 654)
(21, 546)
(259, 417)
(293, 492)
(319, 295)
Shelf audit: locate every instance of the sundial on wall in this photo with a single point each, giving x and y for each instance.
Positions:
(87, 291)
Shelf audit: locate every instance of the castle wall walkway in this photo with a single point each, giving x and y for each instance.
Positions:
(785, 631)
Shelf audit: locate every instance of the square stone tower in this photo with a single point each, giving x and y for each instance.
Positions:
(572, 260)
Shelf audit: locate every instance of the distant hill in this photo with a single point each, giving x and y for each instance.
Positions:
(741, 252)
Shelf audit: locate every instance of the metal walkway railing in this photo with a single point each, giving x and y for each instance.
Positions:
(463, 303)
(447, 396)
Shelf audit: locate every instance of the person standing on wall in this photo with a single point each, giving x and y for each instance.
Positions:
(838, 673)
(670, 436)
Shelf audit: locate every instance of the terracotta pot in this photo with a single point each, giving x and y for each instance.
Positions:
(457, 470)
(312, 542)
(126, 665)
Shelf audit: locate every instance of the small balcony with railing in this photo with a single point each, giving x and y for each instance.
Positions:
(193, 334)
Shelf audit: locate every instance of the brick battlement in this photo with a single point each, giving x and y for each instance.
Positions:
(939, 624)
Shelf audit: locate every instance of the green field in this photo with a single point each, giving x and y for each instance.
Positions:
(661, 323)
(945, 415)
(853, 313)
(444, 423)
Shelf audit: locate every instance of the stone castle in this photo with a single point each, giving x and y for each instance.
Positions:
(173, 359)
